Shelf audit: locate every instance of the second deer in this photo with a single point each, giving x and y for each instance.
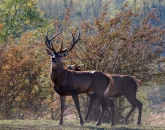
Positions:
(123, 85)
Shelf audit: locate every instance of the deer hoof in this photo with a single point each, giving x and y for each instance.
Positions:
(139, 124)
(82, 124)
(86, 121)
(97, 124)
(126, 122)
(112, 124)
(60, 123)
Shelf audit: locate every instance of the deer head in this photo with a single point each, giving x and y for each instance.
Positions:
(75, 67)
(56, 56)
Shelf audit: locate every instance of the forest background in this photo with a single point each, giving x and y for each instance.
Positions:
(117, 36)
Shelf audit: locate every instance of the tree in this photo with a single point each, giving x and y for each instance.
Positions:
(24, 86)
(18, 16)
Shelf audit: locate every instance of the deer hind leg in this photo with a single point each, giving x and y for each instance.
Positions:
(110, 104)
(135, 103)
(104, 108)
(112, 107)
(62, 100)
(76, 100)
(139, 106)
(92, 99)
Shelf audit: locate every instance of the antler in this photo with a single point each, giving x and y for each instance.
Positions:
(65, 51)
(49, 43)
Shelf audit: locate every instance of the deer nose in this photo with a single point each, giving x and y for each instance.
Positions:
(54, 59)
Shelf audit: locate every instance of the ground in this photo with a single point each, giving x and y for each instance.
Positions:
(53, 125)
(155, 120)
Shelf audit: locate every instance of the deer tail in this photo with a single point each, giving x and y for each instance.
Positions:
(111, 83)
(138, 83)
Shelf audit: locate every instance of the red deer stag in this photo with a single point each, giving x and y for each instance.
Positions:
(69, 82)
(123, 85)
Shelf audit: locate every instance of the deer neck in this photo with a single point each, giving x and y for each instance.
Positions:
(58, 75)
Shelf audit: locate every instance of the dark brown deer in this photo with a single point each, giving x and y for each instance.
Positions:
(123, 85)
(69, 82)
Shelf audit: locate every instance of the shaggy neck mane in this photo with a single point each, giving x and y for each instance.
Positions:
(58, 75)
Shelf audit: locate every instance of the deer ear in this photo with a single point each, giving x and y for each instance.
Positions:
(74, 66)
(80, 66)
(49, 52)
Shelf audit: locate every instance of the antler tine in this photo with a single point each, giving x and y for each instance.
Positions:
(61, 46)
(55, 36)
(77, 38)
(73, 42)
(49, 43)
(72, 45)
(52, 39)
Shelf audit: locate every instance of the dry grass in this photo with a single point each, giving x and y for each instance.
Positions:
(157, 116)
(53, 125)
(154, 121)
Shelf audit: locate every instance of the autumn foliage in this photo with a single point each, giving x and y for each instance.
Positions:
(125, 44)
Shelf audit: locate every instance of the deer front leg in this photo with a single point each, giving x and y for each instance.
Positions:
(92, 99)
(76, 100)
(62, 100)
(126, 119)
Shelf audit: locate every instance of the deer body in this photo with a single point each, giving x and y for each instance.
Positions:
(69, 82)
(124, 85)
